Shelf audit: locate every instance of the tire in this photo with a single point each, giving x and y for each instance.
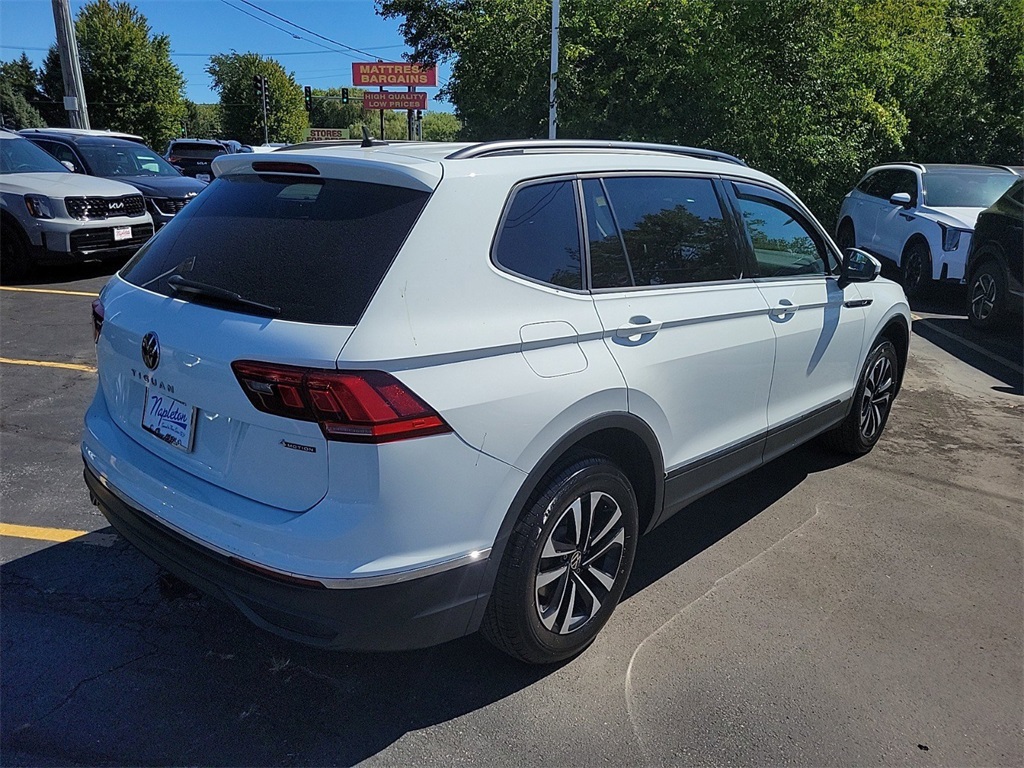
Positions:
(872, 402)
(986, 295)
(846, 237)
(553, 594)
(15, 263)
(916, 270)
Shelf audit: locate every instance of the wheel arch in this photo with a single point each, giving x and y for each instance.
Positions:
(990, 251)
(9, 222)
(626, 440)
(896, 330)
(917, 238)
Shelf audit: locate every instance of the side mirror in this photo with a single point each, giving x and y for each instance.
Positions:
(901, 199)
(69, 165)
(858, 267)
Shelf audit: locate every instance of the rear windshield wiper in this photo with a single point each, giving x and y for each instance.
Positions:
(199, 290)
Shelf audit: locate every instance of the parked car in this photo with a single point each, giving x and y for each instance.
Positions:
(382, 397)
(27, 132)
(921, 217)
(996, 261)
(193, 156)
(165, 189)
(49, 215)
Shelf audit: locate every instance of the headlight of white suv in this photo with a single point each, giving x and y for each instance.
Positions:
(951, 237)
(39, 206)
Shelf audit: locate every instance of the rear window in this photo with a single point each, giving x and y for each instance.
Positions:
(316, 248)
(200, 151)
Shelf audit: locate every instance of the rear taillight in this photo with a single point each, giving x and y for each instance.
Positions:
(97, 319)
(353, 406)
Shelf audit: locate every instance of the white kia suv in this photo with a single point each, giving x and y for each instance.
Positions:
(381, 397)
(49, 215)
(920, 217)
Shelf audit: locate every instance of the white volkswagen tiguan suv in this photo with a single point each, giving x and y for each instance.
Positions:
(381, 397)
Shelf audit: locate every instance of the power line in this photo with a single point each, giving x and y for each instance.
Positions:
(297, 26)
(280, 29)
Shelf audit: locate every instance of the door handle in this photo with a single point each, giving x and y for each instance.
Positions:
(638, 326)
(783, 308)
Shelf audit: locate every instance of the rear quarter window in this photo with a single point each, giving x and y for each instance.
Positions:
(540, 235)
(317, 248)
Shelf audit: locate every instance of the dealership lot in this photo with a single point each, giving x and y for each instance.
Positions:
(819, 611)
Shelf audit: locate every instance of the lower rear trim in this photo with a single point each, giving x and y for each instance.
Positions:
(416, 613)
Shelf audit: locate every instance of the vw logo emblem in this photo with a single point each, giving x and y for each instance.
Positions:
(151, 350)
(576, 560)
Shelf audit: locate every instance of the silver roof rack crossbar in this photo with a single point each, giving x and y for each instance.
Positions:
(524, 146)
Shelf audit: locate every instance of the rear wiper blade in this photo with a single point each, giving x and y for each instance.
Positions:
(181, 284)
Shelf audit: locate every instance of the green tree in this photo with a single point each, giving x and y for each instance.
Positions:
(19, 93)
(440, 126)
(130, 82)
(15, 111)
(202, 121)
(812, 91)
(241, 114)
(329, 112)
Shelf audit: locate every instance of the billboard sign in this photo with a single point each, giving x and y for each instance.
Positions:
(392, 73)
(394, 100)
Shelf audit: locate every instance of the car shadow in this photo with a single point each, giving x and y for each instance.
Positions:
(101, 666)
(999, 353)
(86, 270)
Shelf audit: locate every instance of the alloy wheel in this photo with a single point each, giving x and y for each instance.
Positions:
(983, 296)
(579, 562)
(879, 387)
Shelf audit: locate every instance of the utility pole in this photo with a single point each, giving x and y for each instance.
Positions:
(552, 100)
(71, 71)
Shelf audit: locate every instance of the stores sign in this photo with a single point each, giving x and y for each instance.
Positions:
(385, 73)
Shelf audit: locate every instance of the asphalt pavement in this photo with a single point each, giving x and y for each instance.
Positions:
(817, 612)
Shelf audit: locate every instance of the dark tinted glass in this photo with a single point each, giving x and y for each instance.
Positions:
(22, 156)
(608, 265)
(885, 184)
(540, 237)
(125, 160)
(783, 245)
(673, 229)
(966, 188)
(316, 248)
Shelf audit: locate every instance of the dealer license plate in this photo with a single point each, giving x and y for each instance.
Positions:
(171, 420)
(122, 233)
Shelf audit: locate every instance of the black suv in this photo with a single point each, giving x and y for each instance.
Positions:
(165, 189)
(193, 157)
(996, 261)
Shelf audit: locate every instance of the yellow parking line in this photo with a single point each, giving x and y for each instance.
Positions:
(48, 364)
(47, 290)
(39, 534)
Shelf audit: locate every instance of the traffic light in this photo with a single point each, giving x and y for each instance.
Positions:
(419, 114)
(262, 92)
(309, 98)
(344, 95)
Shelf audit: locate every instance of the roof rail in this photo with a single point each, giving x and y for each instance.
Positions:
(919, 166)
(1002, 167)
(524, 146)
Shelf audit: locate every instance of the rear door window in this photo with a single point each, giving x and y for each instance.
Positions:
(316, 248)
(540, 235)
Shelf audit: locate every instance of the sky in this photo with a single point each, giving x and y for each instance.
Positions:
(199, 28)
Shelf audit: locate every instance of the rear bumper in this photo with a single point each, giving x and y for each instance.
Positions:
(415, 613)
